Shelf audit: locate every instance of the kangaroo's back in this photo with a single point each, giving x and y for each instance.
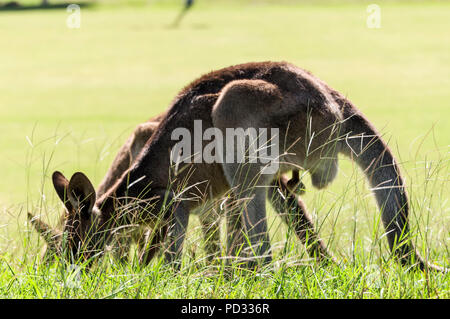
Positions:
(192, 107)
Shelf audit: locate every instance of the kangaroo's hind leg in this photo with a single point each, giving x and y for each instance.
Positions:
(250, 193)
(246, 106)
(293, 212)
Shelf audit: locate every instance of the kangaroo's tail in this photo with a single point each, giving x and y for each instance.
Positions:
(364, 145)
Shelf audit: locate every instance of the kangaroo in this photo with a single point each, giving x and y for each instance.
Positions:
(315, 123)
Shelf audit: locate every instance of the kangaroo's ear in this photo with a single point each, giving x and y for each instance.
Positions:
(81, 194)
(61, 185)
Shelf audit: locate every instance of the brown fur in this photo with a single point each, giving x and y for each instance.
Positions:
(315, 123)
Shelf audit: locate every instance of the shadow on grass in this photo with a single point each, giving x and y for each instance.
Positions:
(16, 6)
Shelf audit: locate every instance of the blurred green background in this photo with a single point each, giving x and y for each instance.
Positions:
(70, 97)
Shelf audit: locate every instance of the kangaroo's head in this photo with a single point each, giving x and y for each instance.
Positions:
(82, 224)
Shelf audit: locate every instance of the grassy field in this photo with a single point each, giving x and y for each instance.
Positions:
(70, 97)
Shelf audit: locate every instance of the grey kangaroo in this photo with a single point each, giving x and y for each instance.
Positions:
(314, 123)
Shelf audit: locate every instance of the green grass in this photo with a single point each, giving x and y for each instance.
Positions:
(70, 97)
